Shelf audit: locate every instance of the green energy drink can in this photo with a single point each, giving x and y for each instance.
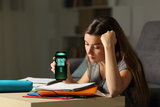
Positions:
(61, 66)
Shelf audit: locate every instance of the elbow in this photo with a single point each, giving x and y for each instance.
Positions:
(114, 93)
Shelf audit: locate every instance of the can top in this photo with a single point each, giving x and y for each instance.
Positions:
(60, 53)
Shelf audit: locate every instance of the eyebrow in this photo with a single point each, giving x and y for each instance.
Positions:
(95, 43)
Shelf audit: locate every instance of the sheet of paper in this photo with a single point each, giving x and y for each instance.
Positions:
(38, 85)
(39, 80)
(98, 93)
(64, 86)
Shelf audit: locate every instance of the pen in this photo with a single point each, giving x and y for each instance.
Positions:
(52, 82)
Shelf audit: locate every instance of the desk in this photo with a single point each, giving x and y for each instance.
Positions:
(16, 100)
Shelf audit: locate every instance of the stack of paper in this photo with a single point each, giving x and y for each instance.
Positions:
(39, 80)
(42, 84)
(66, 86)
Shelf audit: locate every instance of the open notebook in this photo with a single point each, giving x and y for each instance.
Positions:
(39, 80)
(66, 86)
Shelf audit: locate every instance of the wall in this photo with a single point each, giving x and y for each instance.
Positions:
(25, 36)
(30, 37)
(142, 12)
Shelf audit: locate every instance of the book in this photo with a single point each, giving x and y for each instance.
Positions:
(66, 94)
(99, 2)
(66, 86)
(86, 92)
(85, 18)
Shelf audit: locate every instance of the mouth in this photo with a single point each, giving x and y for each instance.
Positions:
(91, 57)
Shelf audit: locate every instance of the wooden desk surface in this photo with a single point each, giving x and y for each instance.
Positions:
(16, 100)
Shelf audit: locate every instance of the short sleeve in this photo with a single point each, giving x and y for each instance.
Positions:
(122, 65)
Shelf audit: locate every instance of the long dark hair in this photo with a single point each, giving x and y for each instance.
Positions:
(101, 25)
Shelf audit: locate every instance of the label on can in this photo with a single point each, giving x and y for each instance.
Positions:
(61, 66)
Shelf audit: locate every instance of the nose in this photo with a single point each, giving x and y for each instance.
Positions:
(89, 50)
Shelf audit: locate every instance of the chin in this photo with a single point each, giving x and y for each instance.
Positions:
(94, 61)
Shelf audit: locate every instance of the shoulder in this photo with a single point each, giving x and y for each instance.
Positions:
(122, 65)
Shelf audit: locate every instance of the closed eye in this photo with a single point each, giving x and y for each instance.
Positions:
(86, 44)
(96, 47)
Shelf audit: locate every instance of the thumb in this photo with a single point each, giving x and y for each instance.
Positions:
(68, 65)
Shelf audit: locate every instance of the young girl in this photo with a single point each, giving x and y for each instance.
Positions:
(112, 63)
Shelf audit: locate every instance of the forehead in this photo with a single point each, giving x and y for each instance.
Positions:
(92, 39)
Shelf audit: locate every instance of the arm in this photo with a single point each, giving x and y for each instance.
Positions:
(69, 77)
(117, 81)
(84, 78)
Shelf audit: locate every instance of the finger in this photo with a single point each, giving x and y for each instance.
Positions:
(112, 31)
(68, 65)
(53, 64)
(68, 62)
(53, 70)
(53, 67)
(54, 58)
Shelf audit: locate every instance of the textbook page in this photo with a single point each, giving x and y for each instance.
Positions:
(98, 93)
(39, 80)
(66, 86)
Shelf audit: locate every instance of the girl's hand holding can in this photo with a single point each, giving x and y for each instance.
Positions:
(53, 64)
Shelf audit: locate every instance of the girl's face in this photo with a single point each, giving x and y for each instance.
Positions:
(94, 48)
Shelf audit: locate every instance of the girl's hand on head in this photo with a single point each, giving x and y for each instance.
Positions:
(109, 39)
